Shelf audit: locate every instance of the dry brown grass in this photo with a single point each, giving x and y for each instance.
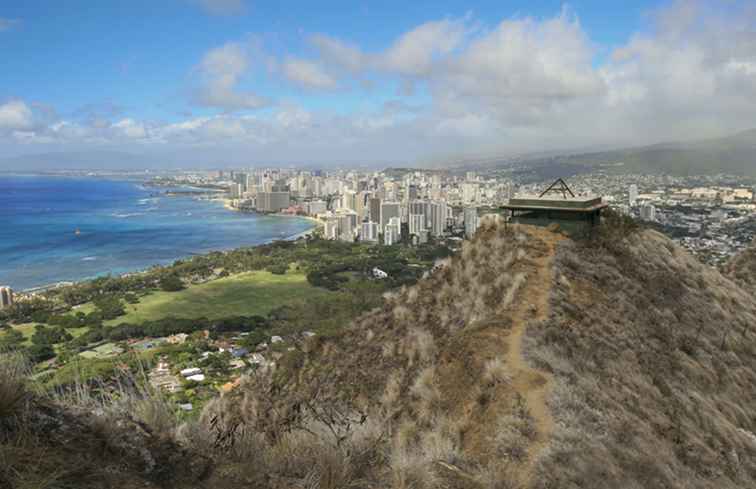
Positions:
(653, 355)
(82, 440)
(13, 388)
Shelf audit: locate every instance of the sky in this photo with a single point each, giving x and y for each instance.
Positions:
(246, 82)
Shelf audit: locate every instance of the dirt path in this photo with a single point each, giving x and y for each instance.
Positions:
(531, 384)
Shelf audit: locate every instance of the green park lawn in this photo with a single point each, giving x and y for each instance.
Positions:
(244, 294)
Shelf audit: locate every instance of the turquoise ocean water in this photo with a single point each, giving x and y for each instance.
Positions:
(123, 227)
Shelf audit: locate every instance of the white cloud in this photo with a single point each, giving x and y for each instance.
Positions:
(340, 53)
(130, 129)
(415, 52)
(522, 84)
(307, 74)
(15, 114)
(221, 69)
(412, 54)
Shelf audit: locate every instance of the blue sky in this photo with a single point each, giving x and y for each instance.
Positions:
(339, 80)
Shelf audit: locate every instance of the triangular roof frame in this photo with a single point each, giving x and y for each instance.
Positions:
(558, 187)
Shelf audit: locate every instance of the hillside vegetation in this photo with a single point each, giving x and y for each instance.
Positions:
(742, 267)
(526, 360)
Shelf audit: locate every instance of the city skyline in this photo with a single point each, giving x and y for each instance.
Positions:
(215, 81)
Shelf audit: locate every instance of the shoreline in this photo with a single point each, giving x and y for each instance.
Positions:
(41, 289)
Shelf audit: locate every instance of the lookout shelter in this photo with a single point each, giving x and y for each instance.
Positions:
(557, 204)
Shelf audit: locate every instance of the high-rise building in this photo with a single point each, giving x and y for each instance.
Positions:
(347, 224)
(348, 199)
(389, 210)
(241, 179)
(416, 224)
(315, 207)
(472, 221)
(632, 194)
(435, 218)
(272, 201)
(374, 209)
(648, 212)
(6, 297)
(331, 229)
(235, 191)
(417, 207)
(369, 231)
(361, 204)
(393, 232)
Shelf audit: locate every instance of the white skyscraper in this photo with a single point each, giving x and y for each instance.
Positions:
(315, 207)
(348, 200)
(435, 218)
(416, 224)
(472, 221)
(393, 232)
(369, 231)
(648, 212)
(331, 229)
(633, 194)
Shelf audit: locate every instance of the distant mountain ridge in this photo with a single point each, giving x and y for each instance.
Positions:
(734, 154)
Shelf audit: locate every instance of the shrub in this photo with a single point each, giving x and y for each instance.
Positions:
(109, 307)
(614, 228)
(171, 283)
(40, 353)
(13, 371)
(277, 268)
(11, 340)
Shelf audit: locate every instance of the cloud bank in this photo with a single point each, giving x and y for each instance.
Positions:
(457, 87)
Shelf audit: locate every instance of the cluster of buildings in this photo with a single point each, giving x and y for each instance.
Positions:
(706, 214)
(261, 191)
(382, 207)
(172, 379)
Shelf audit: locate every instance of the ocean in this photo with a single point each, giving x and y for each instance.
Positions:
(122, 227)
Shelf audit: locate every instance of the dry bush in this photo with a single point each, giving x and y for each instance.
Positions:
(410, 469)
(13, 389)
(425, 390)
(126, 396)
(653, 360)
(393, 390)
(495, 371)
(420, 346)
(498, 474)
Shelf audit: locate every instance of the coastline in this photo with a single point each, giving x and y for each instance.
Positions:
(65, 282)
